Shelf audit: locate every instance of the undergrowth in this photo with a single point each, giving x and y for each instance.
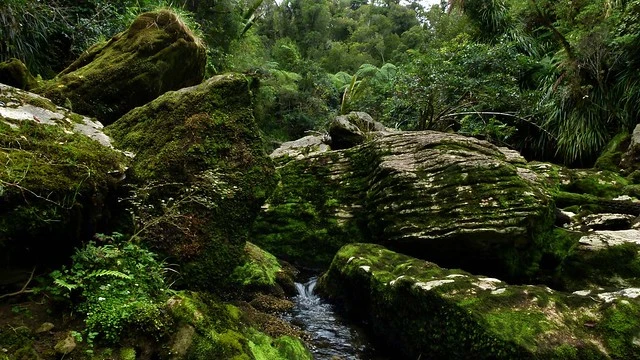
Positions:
(117, 287)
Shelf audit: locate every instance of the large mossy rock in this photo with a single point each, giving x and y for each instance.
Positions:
(424, 311)
(455, 200)
(57, 180)
(156, 54)
(200, 175)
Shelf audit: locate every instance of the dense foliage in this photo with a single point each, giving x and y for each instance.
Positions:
(117, 286)
(555, 80)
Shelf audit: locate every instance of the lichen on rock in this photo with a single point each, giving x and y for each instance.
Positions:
(157, 53)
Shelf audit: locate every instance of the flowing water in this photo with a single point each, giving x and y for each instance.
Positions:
(332, 337)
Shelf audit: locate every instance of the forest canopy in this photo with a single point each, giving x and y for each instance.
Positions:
(554, 80)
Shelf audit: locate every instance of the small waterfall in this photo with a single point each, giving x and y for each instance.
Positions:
(332, 338)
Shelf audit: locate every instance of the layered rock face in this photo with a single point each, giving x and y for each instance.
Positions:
(425, 311)
(156, 54)
(200, 175)
(455, 200)
(57, 180)
(452, 199)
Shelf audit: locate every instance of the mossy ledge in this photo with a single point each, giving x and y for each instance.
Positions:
(422, 310)
(156, 54)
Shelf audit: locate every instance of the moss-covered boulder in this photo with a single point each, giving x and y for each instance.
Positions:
(200, 176)
(156, 54)
(209, 329)
(424, 311)
(57, 180)
(455, 200)
(612, 155)
(263, 272)
(314, 210)
(629, 160)
(15, 73)
(603, 259)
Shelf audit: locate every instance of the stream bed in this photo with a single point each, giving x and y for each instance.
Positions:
(332, 337)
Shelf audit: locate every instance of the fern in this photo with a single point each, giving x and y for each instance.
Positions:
(106, 272)
(64, 284)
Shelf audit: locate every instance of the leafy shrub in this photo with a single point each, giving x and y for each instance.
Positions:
(116, 286)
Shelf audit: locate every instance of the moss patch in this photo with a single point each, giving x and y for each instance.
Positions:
(14, 73)
(612, 154)
(260, 269)
(313, 211)
(220, 334)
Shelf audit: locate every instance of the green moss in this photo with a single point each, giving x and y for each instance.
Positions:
(202, 175)
(603, 268)
(260, 269)
(40, 102)
(55, 187)
(19, 343)
(612, 154)
(284, 348)
(566, 352)
(621, 325)
(300, 223)
(127, 354)
(14, 73)
(156, 54)
(417, 307)
(221, 334)
(604, 184)
(523, 327)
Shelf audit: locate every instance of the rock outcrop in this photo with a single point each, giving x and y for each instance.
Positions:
(352, 129)
(424, 311)
(451, 199)
(156, 54)
(200, 175)
(57, 180)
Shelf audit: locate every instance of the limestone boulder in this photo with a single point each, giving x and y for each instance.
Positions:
(199, 176)
(157, 53)
(455, 200)
(603, 259)
(421, 310)
(308, 145)
(58, 180)
(352, 129)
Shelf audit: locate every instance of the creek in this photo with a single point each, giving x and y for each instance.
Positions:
(332, 337)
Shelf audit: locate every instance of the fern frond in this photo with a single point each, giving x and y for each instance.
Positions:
(64, 284)
(113, 273)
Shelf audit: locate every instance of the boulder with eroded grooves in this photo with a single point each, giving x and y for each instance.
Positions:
(455, 200)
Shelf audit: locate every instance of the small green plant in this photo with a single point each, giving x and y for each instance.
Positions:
(115, 287)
